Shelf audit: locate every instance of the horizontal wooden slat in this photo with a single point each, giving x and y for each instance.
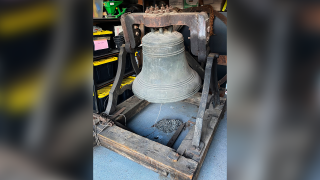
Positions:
(148, 153)
(133, 106)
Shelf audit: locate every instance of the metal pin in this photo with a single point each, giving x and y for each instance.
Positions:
(161, 30)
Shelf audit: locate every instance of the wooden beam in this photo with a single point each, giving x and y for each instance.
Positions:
(195, 99)
(133, 106)
(148, 153)
(175, 135)
(210, 123)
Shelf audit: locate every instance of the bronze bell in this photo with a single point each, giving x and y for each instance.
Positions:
(166, 75)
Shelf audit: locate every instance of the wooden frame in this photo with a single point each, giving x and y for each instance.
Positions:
(183, 164)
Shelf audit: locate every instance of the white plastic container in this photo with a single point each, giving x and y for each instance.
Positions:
(97, 8)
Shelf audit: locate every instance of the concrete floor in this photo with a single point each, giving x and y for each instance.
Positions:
(110, 165)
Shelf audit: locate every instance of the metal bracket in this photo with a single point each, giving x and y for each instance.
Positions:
(115, 90)
(134, 64)
(208, 83)
(195, 65)
(214, 86)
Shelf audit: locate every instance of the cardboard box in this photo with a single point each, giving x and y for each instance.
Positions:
(176, 3)
(216, 4)
(183, 4)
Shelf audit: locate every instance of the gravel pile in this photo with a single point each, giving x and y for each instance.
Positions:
(168, 125)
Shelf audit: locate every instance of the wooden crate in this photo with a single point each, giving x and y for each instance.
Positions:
(180, 164)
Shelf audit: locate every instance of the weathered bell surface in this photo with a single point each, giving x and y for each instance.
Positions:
(166, 75)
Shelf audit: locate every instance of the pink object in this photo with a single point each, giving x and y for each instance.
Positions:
(100, 44)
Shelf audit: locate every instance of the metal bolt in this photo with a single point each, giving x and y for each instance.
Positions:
(161, 30)
(167, 9)
(188, 37)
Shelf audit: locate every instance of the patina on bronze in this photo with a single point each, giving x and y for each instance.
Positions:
(166, 75)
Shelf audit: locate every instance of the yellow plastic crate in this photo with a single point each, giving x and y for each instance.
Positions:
(104, 61)
(102, 33)
(103, 92)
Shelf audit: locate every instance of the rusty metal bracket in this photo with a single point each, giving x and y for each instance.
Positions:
(98, 119)
(222, 60)
(208, 9)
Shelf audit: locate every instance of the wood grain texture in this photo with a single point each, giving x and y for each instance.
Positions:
(175, 135)
(180, 164)
(210, 123)
(148, 153)
(195, 99)
(133, 106)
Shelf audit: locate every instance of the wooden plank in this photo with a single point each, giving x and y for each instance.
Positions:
(208, 135)
(175, 135)
(211, 115)
(148, 153)
(133, 106)
(210, 124)
(195, 99)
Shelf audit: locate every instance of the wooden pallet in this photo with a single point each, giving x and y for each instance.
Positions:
(181, 164)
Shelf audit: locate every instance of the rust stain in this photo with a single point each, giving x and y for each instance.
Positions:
(222, 60)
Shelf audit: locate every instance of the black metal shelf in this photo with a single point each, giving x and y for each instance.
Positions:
(106, 20)
(104, 84)
(113, 52)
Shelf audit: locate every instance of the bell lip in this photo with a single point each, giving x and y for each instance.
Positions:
(171, 100)
(196, 78)
(193, 75)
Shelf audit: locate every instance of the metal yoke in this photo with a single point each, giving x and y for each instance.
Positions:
(197, 23)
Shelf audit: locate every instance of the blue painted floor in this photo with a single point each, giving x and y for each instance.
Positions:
(110, 165)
